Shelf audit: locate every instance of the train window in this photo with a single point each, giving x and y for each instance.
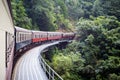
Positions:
(43, 35)
(35, 36)
(20, 36)
(38, 35)
(23, 36)
(26, 36)
(29, 36)
(16, 36)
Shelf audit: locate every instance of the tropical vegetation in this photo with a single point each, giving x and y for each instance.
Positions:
(95, 52)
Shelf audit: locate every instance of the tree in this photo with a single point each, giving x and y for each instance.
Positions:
(105, 7)
(19, 14)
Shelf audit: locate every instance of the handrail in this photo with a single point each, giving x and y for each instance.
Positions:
(52, 75)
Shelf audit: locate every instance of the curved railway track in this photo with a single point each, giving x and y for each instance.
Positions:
(28, 66)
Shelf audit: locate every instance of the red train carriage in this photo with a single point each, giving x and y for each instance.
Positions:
(23, 38)
(39, 36)
(54, 35)
(68, 36)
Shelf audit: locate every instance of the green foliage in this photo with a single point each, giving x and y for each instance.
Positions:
(114, 77)
(99, 45)
(107, 7)
(95, 54)
(73, 47)
(100, 33)
(89, 71)
(44, 15)
(19, 14)
(68, 65)
(48, 15)
(111, 65)
(57, 14)
(64, 60)
(85, 8)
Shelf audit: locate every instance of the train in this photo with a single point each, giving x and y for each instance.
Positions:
(24, 38)
(14, 40)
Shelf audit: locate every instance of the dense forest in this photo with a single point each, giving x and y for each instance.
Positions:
(95, 52)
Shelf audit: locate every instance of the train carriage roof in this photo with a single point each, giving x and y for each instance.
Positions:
(39, 31)
(55, 32)
(21, 29)
(70, 33)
